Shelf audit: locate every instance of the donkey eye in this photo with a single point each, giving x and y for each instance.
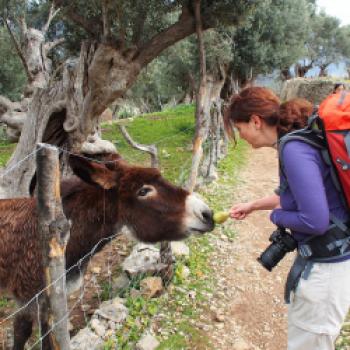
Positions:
(144, 191)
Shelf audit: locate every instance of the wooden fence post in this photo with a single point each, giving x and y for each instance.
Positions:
(54, 234)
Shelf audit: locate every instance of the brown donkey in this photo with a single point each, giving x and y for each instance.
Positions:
(103, 198)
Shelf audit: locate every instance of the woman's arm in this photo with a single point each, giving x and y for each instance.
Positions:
(241, 210)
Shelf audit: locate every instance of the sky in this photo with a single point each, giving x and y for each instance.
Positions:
(336, 8)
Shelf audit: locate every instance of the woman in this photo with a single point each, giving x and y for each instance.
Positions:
(294, 114)
(321, 300)
(338, 87)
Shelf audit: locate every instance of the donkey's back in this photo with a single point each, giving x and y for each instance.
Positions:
(20, 262)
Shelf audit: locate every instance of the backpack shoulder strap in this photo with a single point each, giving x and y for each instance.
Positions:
(313, 135)
(309, 135)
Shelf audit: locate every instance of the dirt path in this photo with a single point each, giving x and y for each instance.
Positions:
(247, 309)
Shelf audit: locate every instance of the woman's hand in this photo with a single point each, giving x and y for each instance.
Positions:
(241, 210)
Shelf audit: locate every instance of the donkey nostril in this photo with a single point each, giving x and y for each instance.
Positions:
(207, 215)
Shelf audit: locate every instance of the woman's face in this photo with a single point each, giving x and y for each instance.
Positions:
(256, 132)
(339, 88)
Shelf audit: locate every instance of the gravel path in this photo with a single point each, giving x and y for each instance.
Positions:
(247, 308)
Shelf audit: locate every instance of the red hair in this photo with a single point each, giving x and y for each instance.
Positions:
(260, 101)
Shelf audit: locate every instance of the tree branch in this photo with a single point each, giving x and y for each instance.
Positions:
(93, 27)
(23, 26)
(150, 149)
(139, 25)
(199, 31)
(19, 52)
(50, 45)
(52, 14)
(184, 27)
(5, 105)
(122, 33)
(106, 20)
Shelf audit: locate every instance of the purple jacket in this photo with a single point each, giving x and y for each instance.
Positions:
(310, 196)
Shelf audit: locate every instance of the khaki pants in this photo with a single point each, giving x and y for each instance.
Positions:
(319, 306)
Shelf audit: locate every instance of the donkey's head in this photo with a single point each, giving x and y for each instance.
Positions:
(150, 206)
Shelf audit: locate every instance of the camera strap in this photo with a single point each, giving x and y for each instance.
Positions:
(299, 266)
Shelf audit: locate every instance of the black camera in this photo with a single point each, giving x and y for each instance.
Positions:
(282, 243)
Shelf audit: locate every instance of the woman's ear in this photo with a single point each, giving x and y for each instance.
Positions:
(256, 121)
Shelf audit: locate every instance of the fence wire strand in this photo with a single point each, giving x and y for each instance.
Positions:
(93, 281)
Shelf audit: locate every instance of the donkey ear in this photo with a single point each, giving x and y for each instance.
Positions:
(93, 172)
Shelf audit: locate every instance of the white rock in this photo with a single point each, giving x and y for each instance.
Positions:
(98, 327)
(113, 310)
(147, 342)
(86, 339)
(180, 249)
(144, 258)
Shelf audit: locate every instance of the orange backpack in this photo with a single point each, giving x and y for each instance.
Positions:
(334, 112)
(329, 130)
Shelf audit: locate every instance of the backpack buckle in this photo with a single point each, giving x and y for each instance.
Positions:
(305, 251)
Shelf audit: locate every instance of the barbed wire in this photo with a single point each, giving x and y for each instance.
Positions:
(20, 162)
(78, 265)
(36, 297)
(80, 298)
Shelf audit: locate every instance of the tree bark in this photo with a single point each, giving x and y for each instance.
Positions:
(32, 51)
(323, 70)
(215, 131)
(66, 113)
(285, 74)
(202, 115)
(54, 234)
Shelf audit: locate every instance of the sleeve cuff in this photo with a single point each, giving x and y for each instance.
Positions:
(274, 216)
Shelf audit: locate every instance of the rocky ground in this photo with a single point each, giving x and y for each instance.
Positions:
(248, 302)
(248, 309)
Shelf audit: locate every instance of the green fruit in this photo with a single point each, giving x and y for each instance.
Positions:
(220, 217)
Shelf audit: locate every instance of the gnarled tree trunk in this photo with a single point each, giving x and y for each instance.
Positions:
(65, 113)
(32, 50)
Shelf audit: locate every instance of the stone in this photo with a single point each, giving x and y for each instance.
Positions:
(112, 310)
(120, 282)
(313, 90)
(147, 342)
(96, 270)
(144, 259)
(98, 327)
(151, 287)
(135, 293)
(86, 339)
(180, 249)
(185, 272)
(95, 145)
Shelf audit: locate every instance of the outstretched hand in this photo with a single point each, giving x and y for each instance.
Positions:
(241, 210)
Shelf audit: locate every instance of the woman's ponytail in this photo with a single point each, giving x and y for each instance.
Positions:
(293, 115)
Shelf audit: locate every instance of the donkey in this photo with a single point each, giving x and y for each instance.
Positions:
(101, 198)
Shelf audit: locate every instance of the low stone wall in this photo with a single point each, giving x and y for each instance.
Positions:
(314, 90)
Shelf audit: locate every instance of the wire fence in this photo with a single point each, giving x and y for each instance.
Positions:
(87, 287)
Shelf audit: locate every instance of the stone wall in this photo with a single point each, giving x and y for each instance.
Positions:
(314, 90)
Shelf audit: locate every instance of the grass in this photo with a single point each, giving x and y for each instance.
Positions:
(170, 130)
(6, 150)
(181, 306)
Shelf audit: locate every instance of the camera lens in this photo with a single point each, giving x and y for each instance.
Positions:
(271, 256)
(282, 243)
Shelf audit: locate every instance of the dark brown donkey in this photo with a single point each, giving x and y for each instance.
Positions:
(103, 198)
